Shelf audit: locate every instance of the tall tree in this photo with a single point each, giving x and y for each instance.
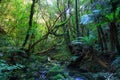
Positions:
(76, 17)
(30, 24)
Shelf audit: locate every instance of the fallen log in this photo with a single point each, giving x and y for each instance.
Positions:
(46, 51)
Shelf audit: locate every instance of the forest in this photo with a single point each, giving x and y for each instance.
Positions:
(59, 40)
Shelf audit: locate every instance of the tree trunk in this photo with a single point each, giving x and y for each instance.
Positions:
(102, 39)
(76, 18)
(114, 37)
(30, 24)
(65, 28)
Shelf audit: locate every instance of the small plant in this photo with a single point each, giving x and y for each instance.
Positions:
(56, 73)
(89, 40)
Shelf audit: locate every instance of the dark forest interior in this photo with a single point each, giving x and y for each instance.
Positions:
(59, 40)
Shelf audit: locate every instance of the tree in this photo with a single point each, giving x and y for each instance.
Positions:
(76, 17)
(30, 24)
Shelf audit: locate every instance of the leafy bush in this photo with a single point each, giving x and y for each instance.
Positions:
(6, 70)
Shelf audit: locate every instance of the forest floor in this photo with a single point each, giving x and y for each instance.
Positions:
(54, 66)
(54, 69)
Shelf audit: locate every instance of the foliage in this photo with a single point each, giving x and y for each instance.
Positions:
(6, 70)
(58, 77)
(89, 40)
(56, 68)
(57, 72)
(53, 24)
